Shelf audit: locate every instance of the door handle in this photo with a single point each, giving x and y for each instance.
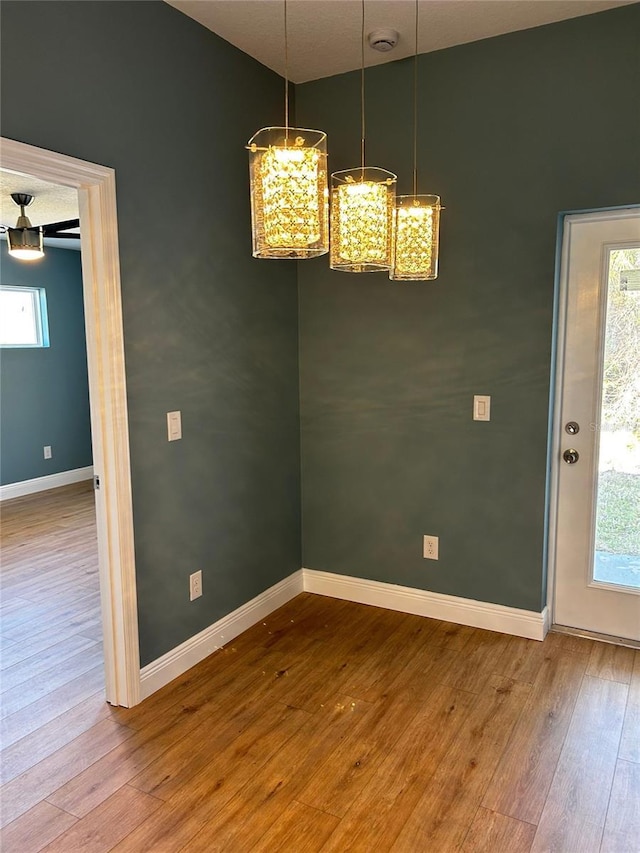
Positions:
(571, 456)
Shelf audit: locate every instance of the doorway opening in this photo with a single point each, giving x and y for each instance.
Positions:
(95, 186)
(51, 631)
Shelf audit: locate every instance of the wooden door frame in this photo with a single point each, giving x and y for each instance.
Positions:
(558, 356)
(108, 398)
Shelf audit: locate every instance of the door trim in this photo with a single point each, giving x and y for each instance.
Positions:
(558, 354)
(107, 391)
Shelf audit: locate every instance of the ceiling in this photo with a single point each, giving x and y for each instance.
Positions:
(51, 203)
(324, 35)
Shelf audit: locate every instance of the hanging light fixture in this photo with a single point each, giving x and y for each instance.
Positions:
(416, 217)
(288, 178)
(25, 241)
(362, 203)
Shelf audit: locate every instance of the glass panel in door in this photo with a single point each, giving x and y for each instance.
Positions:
(617, 531)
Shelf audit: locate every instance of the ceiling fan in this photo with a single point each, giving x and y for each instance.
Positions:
(26, 240)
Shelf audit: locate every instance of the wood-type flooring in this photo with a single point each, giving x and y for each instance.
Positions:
(329, 726)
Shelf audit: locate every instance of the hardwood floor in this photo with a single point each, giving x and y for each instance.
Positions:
(50, 629)
(330, 726)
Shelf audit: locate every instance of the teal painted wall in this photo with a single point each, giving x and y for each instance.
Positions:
(44, 393)
(513, 130)
(518, 128)
(208, 330)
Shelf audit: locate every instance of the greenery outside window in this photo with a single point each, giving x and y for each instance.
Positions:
(23, 317)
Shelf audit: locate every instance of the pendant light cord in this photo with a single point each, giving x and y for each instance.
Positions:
(286, 75)
(415, 110)
(362, 91)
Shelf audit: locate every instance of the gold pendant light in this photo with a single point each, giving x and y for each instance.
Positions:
(288, 180)
(416, 217)
(417, 229)
(362, 204)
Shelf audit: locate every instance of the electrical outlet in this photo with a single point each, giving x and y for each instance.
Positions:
(430, 548)
(47, 451)
(195, 585)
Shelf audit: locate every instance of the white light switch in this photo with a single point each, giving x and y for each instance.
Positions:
(174, 426)
(481, 408)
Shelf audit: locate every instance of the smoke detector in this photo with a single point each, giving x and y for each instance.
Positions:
(383, 39)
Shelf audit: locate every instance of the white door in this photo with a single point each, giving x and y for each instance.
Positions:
(595, 523)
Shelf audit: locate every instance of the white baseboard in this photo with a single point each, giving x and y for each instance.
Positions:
(163, 670)
(43, 484)
(463, 611)
(450, 608)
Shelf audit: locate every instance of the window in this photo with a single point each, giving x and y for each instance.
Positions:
(23, 317)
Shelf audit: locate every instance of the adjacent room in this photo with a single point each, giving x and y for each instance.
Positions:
(51, 623)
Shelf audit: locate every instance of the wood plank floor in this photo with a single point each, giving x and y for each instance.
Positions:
(330, 726)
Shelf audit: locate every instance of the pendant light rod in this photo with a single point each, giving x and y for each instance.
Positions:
(288, 184)
(362, 203)
(286, 75)
(415, 110)
(362, 89)
(416, 232)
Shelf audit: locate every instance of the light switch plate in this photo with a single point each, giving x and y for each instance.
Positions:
(481, 408)
(174, 426)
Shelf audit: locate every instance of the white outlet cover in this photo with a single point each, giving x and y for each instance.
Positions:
(430, 548)
(195, 585)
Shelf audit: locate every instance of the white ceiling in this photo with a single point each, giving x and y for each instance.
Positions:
(324, 35)
(51, 203)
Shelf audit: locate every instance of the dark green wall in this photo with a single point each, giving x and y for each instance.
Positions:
(513, 130)
(208, 330)
(44, 393)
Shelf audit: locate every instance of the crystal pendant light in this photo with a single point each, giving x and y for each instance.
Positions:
(25, 241)
(416, 217)
(288, 179)
(417, 229)
(362, 204)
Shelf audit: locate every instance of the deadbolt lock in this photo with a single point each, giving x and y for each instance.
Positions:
(571, 456)
(572, 428)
